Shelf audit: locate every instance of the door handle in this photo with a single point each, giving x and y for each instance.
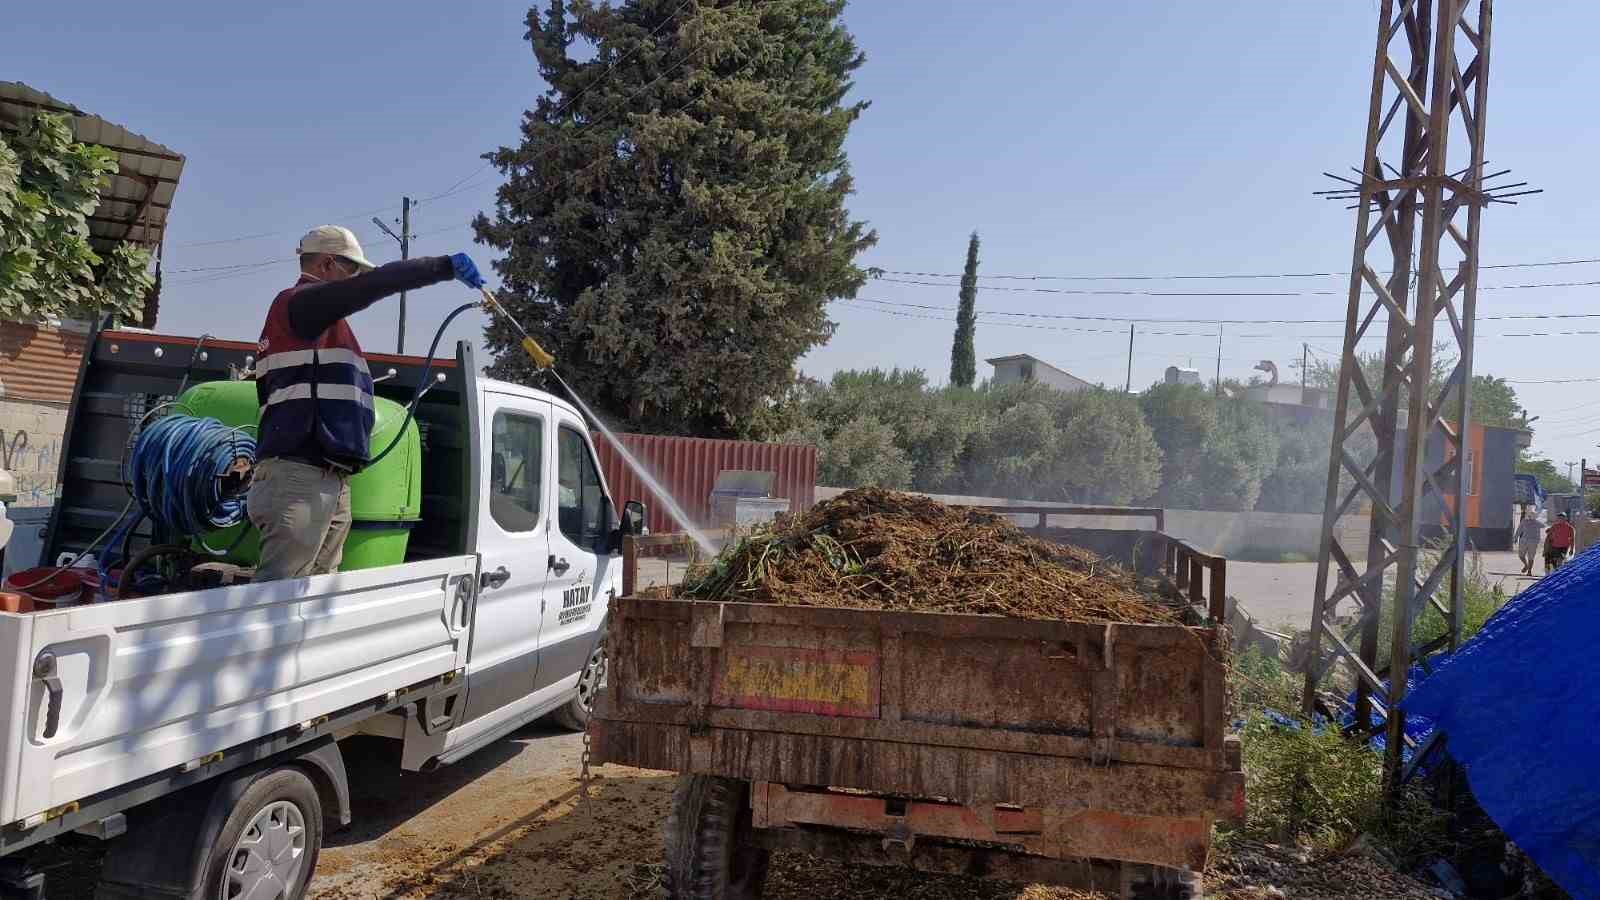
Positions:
(496, 578)
(559, 565)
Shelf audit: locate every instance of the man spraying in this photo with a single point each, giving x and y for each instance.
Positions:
(1557, 541)
(1528, 532)
(316, 397)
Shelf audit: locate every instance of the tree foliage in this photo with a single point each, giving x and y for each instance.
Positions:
(1494, 400)
(963, 354)
(1020, 440)
(49, 185)
(1218, 451)
(1554, 480)
(674, 219)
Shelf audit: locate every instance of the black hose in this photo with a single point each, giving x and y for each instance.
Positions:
(423, 385)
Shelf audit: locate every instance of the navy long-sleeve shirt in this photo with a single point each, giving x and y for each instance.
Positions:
(316, 306)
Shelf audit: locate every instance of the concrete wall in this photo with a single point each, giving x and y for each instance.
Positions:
(1247, 535)
(30, 447)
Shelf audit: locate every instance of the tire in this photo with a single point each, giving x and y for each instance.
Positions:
(707, 858)
(277, 823)
(574, 716)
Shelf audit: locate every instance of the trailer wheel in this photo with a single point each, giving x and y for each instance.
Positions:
(574, 715)
(707, 857)
(1158, 883)
(268, 845)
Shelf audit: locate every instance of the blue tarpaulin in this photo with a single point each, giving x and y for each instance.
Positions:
(1517, 705)
(1417, 727)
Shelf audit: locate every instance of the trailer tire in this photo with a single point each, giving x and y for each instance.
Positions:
(574, 715)
(707, 856)
(283, 812)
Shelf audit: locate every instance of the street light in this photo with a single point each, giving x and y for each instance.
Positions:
(404, 239)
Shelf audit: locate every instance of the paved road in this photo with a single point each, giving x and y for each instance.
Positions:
(1278, 595)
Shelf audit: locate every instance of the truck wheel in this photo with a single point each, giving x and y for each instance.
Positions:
(574, 716)
(268, 846)
(1158, 883)
(707, 858)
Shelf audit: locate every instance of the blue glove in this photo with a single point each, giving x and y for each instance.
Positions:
(466, 270)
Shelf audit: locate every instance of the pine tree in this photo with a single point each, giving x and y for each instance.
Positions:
(674, 220)
(963, 357)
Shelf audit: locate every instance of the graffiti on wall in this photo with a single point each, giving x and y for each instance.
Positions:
(30, 449)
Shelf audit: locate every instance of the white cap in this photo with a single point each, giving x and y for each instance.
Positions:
(334, 240)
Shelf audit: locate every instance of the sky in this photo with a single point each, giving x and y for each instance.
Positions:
(1145, 138)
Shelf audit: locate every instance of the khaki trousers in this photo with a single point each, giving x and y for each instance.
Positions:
(303, 514)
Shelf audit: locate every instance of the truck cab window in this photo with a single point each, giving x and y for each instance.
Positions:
(582, 501)
(516, 471)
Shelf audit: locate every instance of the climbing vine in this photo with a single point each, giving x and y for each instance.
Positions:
(49, 185)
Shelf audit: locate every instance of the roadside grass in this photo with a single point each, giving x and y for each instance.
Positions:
(1305, 782)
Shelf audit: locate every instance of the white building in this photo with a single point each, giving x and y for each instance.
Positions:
(1022, 367)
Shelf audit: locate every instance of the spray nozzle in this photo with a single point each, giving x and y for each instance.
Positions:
(541, 358)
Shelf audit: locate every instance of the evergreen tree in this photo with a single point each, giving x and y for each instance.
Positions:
(674, 220)
(963, 358)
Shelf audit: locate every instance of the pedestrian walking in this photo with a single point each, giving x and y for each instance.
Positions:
(1558, 541)
(1528, 533)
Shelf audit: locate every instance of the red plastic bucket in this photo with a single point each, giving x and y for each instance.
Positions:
(47, 586)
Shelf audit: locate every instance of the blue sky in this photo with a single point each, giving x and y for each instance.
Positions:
(1078, 138)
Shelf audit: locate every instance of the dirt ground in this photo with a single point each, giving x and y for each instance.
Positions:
(508, 823)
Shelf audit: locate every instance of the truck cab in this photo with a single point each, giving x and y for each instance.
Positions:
(176, 723)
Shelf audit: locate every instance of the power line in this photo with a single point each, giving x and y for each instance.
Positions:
(1197, 321)
(242, 270)
(1093, 292)
(1211, 277)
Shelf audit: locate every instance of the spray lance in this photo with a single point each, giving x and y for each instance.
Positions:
(542, 360)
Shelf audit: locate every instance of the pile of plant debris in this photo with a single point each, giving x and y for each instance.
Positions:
(877, 549)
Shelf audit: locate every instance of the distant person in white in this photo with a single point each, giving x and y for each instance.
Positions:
(1528, 534)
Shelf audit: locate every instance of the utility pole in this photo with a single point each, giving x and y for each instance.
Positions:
(1219, 359)
(1430, 80)
(1305, 352)
(1570, 466)
(1128, 389)
(404, 239)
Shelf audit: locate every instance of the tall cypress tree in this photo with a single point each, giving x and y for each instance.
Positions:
(963, 357)
(674, 220)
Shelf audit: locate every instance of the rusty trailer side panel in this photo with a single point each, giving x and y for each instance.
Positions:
(1116, 731)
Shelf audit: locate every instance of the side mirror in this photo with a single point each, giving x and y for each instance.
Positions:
(633, 517)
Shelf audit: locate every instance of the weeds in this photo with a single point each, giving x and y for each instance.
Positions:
(1307, 782)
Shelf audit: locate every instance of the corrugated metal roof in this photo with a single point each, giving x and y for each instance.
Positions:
(135, 205)
(39, 362)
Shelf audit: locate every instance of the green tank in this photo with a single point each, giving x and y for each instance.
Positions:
(385, 499)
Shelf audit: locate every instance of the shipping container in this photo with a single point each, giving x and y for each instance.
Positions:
(687, 467)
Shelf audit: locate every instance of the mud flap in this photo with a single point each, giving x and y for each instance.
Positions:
(428, 721)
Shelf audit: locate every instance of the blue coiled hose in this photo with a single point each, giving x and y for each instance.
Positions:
(177, 472)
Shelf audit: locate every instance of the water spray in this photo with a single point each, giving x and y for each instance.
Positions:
(543, 361)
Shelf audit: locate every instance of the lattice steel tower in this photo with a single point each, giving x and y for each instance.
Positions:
(1429, 87)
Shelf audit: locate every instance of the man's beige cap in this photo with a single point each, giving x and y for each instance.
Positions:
(335, 240)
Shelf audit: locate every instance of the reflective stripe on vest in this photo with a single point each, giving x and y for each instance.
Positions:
(325, 391)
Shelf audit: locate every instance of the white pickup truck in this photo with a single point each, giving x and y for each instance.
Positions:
(197, 732)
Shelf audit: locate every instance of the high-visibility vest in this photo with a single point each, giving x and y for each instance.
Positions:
(316, 396)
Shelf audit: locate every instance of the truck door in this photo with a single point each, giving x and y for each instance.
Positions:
(580, 567)
(512, 539)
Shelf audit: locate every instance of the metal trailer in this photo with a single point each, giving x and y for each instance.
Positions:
(1086, 755)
